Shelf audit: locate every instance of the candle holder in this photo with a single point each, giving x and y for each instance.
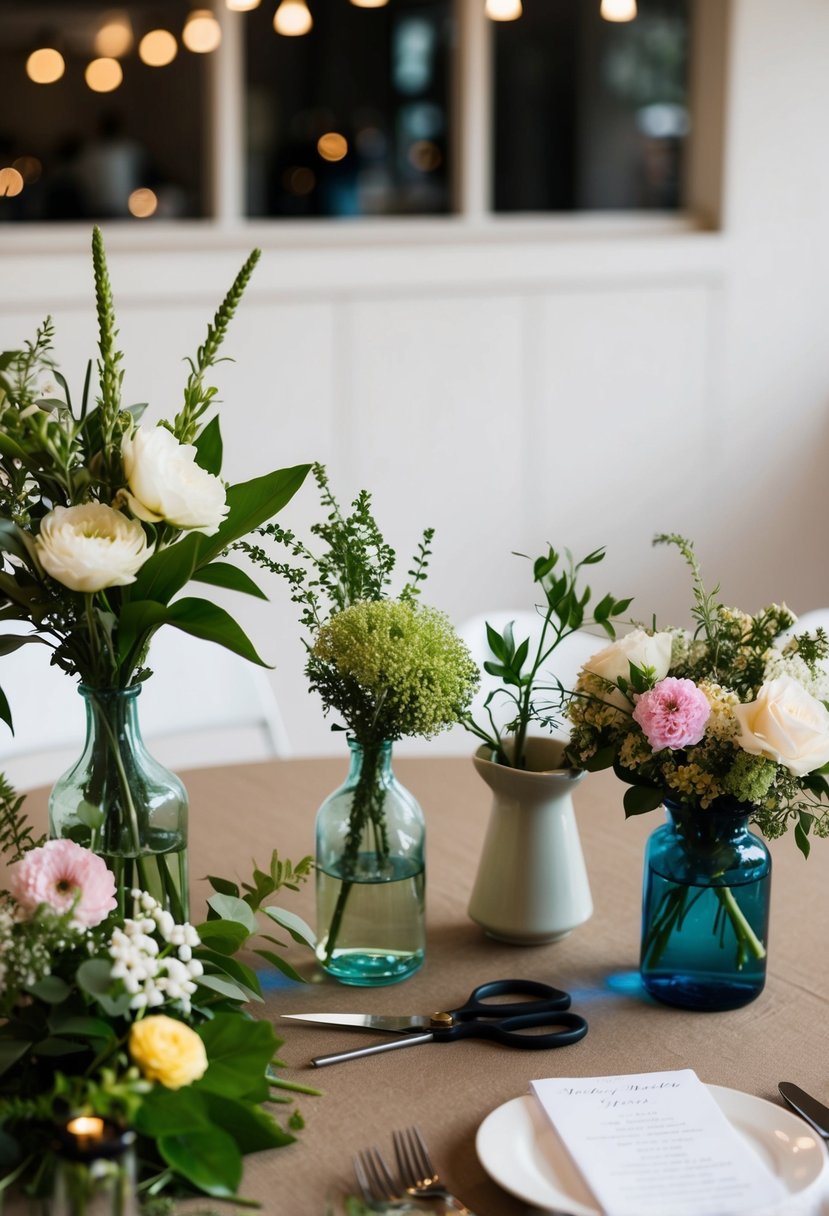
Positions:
(96, 1169)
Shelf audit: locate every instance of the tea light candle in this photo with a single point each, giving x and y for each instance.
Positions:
(96, 1169)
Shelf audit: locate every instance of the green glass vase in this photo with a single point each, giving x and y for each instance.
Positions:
(370, 874)
(120, 802)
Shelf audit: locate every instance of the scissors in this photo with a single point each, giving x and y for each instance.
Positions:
(480, 1018)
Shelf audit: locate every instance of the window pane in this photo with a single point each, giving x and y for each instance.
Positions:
(134, 149)
(351, 118)
(590, 114)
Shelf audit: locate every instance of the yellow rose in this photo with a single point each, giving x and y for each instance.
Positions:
(167, 1051)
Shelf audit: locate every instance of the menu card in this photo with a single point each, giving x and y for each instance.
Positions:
(654, 1143)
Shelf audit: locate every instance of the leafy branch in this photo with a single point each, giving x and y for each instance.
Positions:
(197, 397)
(16, 833)
(518, 664)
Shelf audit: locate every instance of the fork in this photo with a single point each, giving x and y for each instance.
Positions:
(374, 1178)
(418, 1175)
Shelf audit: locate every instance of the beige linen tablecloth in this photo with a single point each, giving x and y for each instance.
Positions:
(238, 814)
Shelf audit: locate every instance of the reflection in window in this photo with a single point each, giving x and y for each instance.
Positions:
(351, 118)
(590, 114)
(101, 112)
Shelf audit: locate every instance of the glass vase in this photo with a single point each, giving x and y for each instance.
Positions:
(120, 802)
(370, 874)
(705, 909)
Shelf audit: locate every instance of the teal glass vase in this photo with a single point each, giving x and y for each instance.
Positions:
(118, 801)
(705, 909)
(370, 874)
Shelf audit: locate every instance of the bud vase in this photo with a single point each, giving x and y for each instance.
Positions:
(705, 909)
(531, 886)
(123, 805)
(370, 874)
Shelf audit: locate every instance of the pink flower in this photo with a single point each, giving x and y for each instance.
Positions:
(57, 874)
(672, 714)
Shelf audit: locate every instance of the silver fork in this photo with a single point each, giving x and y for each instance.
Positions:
(418, 1175)
(374, 1178)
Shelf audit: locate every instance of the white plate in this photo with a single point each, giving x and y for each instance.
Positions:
(519, 1149)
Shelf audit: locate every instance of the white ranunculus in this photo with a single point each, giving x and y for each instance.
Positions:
(166, 483)
(91, 547)
(786, 724)
(637, 647)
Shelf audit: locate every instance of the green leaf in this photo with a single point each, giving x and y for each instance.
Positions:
(641, 798)
(237, 972)
(252, 503)
(253, 1129)
(205, 620)
(225, 936)
(5, 711)
(801, 832)
(51, 989)
(53, 1045)
(95, 979)
(239, 1051)
(277, 961)
(208, 447)
(230, 907)
(223, 885)
(208, 1158)
(10, 1052)
(222, 574)
(167, 571)
(9, 642)
(164, 1112)
(496, 644)
(89, 1028)
(225, 988)
(296, 926)
(601, 759)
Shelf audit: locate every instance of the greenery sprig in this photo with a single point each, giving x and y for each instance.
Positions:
(532, 696)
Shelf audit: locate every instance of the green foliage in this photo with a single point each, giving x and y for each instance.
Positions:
(65, 1021)
(16, 832)
(56, 453)
(533, 695)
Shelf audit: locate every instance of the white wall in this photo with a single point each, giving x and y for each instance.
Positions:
(578, 382)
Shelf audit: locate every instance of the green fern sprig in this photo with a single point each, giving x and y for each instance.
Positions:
(197, 397)
(707, 608)
(16, 833)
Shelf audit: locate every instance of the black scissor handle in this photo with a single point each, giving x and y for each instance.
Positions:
(546, 1000)
(570, 1027)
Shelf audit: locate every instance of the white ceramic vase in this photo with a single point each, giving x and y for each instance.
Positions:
(531, 886)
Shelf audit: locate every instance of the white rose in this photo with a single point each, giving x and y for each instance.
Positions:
(166, 483)
(786, 724)
(91, 547)
(637, 647)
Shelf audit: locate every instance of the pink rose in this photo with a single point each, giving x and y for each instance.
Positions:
(672, 714)
(58, 874)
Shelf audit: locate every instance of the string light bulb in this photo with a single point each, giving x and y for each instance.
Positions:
(157, 48)
(114, 36)
(45, 65)
(618, 10)
(292, 18)
(503, 10)
(242, 6)
(369, 3)
(202, 32)
(103, 75)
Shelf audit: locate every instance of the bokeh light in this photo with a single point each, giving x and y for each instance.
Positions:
(202, 32)
(114, 37)
(142, 203)
(157, 48)
(45, 66)
(332, 146)
(292, 18)
(103, 75)
(11, 182)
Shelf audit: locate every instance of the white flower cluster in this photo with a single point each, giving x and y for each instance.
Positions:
(784, 663)
(154, 972)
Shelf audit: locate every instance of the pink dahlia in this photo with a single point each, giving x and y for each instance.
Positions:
(672, 714)
(58, 874)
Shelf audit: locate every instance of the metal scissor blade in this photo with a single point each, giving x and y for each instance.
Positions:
(365, 1021)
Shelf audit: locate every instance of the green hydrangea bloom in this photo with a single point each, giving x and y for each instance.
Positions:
(392, 669)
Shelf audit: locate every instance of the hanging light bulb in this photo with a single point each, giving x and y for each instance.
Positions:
(618, 10)
(369, 3)
(292, 18)
(503, 10)
(103, 75)
(202, 32)
(242, 6)
(114, 36)
(45, 65)
(157, 48)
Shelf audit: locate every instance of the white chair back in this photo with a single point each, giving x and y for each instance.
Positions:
(202, 706)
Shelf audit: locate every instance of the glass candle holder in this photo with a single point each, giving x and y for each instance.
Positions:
(95, 1173)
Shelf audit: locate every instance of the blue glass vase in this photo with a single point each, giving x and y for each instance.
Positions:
(705, 909)
(370, 874)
